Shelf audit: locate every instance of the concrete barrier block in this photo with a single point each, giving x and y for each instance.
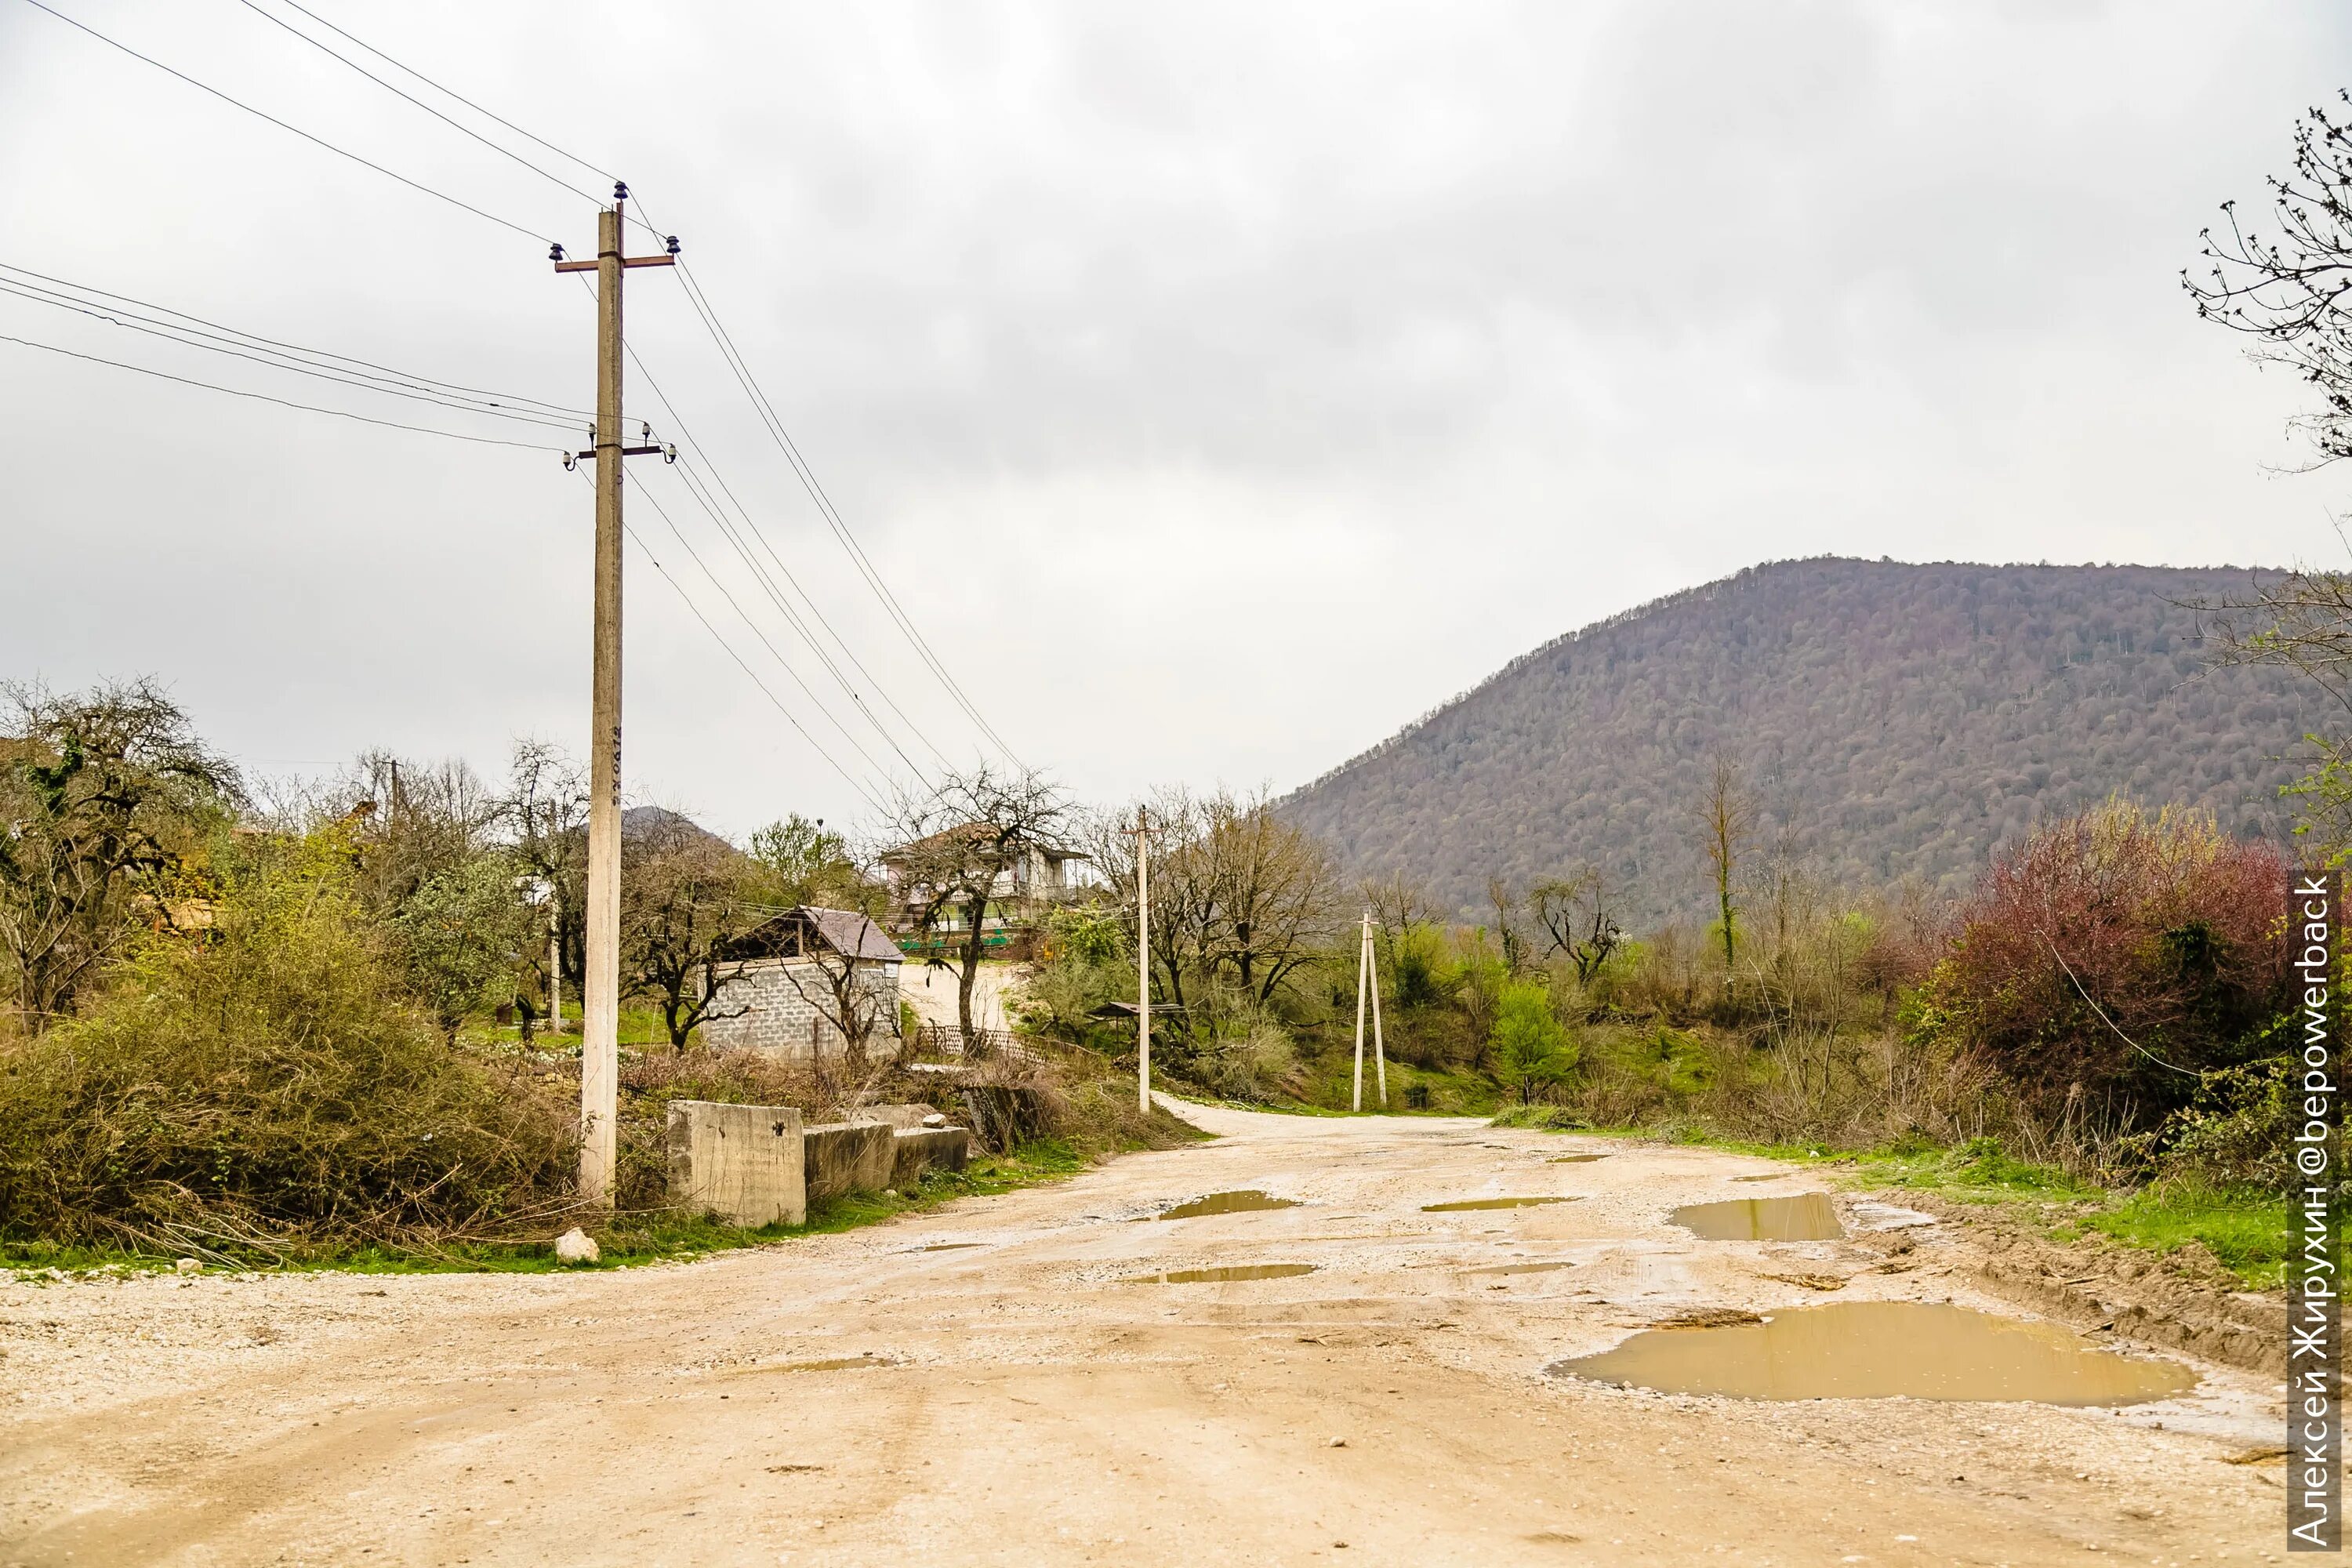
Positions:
(846, 1157)
(904, 1115)
(743, 1163)
(919, 1149)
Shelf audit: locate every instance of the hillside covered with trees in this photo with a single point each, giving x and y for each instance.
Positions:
(1888, 725)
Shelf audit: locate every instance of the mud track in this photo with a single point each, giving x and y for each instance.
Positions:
(1022, 1398)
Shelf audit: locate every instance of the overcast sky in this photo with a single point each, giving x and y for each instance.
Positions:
(1219, 387)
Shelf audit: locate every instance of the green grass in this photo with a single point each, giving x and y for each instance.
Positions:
(626, 1241)
(2245, 1228)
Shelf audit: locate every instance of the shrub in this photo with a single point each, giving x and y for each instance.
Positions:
(267, 1083)
(1531, 1046)
(2161, 922)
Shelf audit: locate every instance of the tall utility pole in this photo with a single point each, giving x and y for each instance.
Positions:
(600, 988)
(1143, 959)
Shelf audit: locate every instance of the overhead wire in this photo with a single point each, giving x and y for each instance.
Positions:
(281, 401)
(797, 620)
(732, 604)
(517, 399)
(699, 454)
(196, 341)
(282, 125)
(725, 343)
(466, 129)
(790, 718)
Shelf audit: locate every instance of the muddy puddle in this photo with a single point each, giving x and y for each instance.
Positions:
(949, 1245)
(1241, 1202)
(1574, 1159)
(1229, 1271)
(1883, 1350)
(835, 1363)
(1766, 1176)
(1466, 1205)
(1521, 1268)
(1808, 1216)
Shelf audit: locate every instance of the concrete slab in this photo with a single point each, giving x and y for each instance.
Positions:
(919, 1149)
(841, 1157)
(743, 1163)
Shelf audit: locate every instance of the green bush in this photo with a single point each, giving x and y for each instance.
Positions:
(1531, 1046)
(267, 1083)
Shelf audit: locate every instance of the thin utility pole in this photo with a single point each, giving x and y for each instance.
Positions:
(600, 989)
(555, 932)
(1363, 952)
(1372, 983)
(1143, 959)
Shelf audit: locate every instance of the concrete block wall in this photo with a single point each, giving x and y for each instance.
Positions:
(848, 1157)
(915, 1150)
(782, 1018)
(746, 1164)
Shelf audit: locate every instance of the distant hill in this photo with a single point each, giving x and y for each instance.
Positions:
(1894, 721)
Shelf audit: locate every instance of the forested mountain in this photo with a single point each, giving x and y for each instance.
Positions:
(1892, 723)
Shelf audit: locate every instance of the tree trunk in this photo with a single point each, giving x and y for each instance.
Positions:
(975, 945)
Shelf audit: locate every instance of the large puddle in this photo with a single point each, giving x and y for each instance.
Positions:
(1574, 1159)
(1883, 1350)
(1240, 1202)
(1230, 1271)
(1469, 1204)
(1808, 1216)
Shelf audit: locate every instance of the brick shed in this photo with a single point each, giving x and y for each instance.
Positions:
(802, 976)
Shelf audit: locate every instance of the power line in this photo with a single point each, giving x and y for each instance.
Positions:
(281, 401)
(776, 431)
(517, 399)
(782, 663)
(320, 141)
(788, 718)
(171, 334)
(502, 152)
(420, 76)
(696, 453)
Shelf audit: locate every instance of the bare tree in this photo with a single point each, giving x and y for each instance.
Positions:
(1576, 912)
(1241, 898)
(1400, 906)
(544, 814)
(2287, 291)
(1725, 821)
(1506, 904)
(965, 845)
(96, 809)
(680, 906)
(837, 973)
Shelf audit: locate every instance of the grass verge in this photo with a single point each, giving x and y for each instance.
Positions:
(628, 1240)
(2244, 1228)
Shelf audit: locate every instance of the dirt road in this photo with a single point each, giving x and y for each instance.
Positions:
(992, 1384)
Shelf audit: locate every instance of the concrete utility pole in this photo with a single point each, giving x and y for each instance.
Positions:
(554, 935)
(1143, 959)
(1363, 952)
(1368, 983)
(600, 990)
(1380, 1050)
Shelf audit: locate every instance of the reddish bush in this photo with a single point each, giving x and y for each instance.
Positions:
(2166, 924)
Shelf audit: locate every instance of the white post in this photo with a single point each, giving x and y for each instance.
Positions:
(1142, 961)
(1380, 1051)
(1363, 952)
(555, 936)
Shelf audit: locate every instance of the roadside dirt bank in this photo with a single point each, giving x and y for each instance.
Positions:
(996, 1385)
